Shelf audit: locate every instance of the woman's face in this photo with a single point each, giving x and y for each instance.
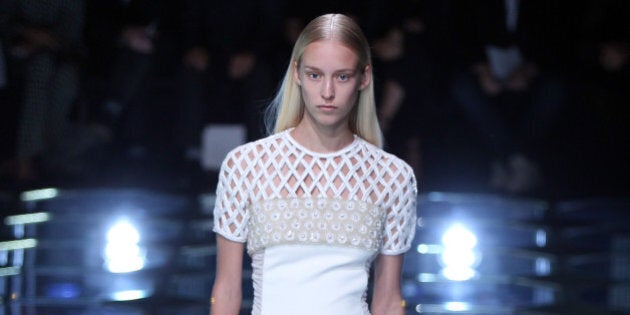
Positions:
(330, 82)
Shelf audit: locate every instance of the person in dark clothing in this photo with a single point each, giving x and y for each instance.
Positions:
(510, 85)
(598, 143)
(135, 44)
(45, 43)
(225, 76)
(405, 68)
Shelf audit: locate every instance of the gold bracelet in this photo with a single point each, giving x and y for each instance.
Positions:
(212, 300)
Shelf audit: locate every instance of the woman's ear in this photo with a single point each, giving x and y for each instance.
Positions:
(366, 77)
(296, 72)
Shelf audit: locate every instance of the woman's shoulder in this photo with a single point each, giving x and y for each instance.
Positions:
(253, 149)
(385, 160)
(381, 155)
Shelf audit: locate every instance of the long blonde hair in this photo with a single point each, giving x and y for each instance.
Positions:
(287, 108)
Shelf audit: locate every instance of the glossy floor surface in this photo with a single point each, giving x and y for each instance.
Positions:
(144, 251)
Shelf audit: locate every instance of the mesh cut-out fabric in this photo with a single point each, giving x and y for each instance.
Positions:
(278, 168)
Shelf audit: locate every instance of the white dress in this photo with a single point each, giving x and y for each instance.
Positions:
(314, 222)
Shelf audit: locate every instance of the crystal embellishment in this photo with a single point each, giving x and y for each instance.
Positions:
(323, 221)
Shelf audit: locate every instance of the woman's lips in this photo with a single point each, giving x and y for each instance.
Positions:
(327, 107)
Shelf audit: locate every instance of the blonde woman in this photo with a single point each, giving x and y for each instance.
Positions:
(318, 201)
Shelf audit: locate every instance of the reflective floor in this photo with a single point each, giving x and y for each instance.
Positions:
(483, 254)
(136, 251)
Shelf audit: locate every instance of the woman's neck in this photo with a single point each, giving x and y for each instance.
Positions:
(321, 139)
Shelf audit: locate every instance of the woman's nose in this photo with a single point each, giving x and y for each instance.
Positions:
(328, 90)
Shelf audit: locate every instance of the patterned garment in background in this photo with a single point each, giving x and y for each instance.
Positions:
(51, 76)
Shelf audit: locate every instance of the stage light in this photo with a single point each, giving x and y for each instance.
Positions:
(456, 306)
(29, 218)
(122, 252)
(427, 249)
(459, 256)
(130, 295)
(541, 238)
(39, 194)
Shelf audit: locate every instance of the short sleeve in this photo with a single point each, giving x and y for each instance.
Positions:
(230, 210)
(400, 221)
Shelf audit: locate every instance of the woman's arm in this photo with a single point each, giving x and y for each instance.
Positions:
(387, 298)
(226, 293)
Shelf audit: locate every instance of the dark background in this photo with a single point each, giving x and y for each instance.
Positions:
(162, 104)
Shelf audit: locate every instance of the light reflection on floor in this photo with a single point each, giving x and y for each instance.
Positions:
(473, 254)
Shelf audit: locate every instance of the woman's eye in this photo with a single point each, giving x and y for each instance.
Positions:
(344, 77)
(313, 76)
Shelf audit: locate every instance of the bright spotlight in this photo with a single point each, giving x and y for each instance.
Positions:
(129, 295)
(459, 256)
(458, 236)
(458, 273)
(123, 232)
(122, 252)
(39, 194)
(457, 306)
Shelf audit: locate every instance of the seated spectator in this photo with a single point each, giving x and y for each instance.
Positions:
(225, 75)
(510, 87)
(45, 44)
(600, 139)
(406, 90)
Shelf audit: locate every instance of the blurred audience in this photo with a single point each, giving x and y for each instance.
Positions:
(405, 72)
(44, 40)
(153, 73)
(511, 86)
(225, 75)
(133, 45)
(600, 141)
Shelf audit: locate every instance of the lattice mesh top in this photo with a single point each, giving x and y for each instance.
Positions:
(258, 178)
